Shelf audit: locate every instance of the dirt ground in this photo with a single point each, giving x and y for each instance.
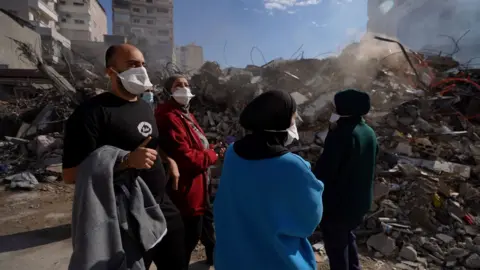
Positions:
(35, 231)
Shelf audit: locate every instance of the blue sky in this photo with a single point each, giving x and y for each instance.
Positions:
(277, 27)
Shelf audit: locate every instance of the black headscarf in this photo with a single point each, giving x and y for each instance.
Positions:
(353, 105)
(272, 110)
(352, 102)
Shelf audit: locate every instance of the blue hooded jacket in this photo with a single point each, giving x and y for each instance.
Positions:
(264, 211)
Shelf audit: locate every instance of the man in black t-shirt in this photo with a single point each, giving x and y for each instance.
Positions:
(120, 119)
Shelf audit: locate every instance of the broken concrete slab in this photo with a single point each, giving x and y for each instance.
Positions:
(24, 180)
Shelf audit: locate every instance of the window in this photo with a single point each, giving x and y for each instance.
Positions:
(118, 30)
(150, 11)
(136, 20)
(79, 22)
(64, 20)
(162, 10)
(122, 18)
(68, 15)
(63, 2)
(151, 22)
(149, 1)
(163, 32)
(136, 9)
(78, 4)
(137, 31)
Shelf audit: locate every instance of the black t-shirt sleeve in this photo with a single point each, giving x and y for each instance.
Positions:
(81, 136)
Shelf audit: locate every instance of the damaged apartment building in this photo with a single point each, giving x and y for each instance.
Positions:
(446, 28)
(64, 30)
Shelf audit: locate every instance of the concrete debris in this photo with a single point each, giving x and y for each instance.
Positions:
(409, 253)
(25, 180)
(382, 243)
(473, 261)
(427, 190)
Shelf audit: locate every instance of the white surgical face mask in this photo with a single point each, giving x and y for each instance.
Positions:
(182, 95)
(292, 133)
(135, 80)
(334, 117)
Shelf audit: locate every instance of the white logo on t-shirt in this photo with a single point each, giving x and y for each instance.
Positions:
(145, 128)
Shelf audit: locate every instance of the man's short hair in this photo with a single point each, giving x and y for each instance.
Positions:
(109, 54)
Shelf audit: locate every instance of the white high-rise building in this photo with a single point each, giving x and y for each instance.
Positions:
(39, 12)
(147, 24)
(42, 14)
(82, 19)
(189, 57)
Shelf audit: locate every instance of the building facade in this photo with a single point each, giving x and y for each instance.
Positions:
(147, 24)
(189, 57)
(39, 12)
(18, 29)
(429, 25)
(82, 20)
(43, 17)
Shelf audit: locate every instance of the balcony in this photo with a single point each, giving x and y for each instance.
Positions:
(44, 7)
(73, 25)
(50, 32)
(85, 9)
(164, 3)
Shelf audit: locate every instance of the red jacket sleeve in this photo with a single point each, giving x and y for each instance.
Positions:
(175, 143)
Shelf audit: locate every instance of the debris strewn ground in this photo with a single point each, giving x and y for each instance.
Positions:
(426, 213)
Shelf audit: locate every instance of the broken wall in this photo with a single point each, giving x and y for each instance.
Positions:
(93, 52)
(10, 54)
(90, 53)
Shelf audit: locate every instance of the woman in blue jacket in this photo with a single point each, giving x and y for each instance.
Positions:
(268, 201)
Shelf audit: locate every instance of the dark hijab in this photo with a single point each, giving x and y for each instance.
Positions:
(272, 110)
(352, 104)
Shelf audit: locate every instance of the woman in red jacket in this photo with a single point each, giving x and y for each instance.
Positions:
(184, 140)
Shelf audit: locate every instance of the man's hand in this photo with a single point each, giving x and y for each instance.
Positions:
(142, 157)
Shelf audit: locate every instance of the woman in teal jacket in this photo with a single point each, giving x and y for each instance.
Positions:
(268, 201)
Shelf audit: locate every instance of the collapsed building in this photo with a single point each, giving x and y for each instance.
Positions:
(424, 109)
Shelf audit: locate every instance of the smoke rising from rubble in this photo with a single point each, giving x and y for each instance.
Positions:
(360, 61)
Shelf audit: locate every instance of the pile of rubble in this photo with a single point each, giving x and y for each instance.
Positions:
(427, 207)
(425, 112)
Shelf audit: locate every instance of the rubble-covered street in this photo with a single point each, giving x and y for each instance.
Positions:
(426, 113)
